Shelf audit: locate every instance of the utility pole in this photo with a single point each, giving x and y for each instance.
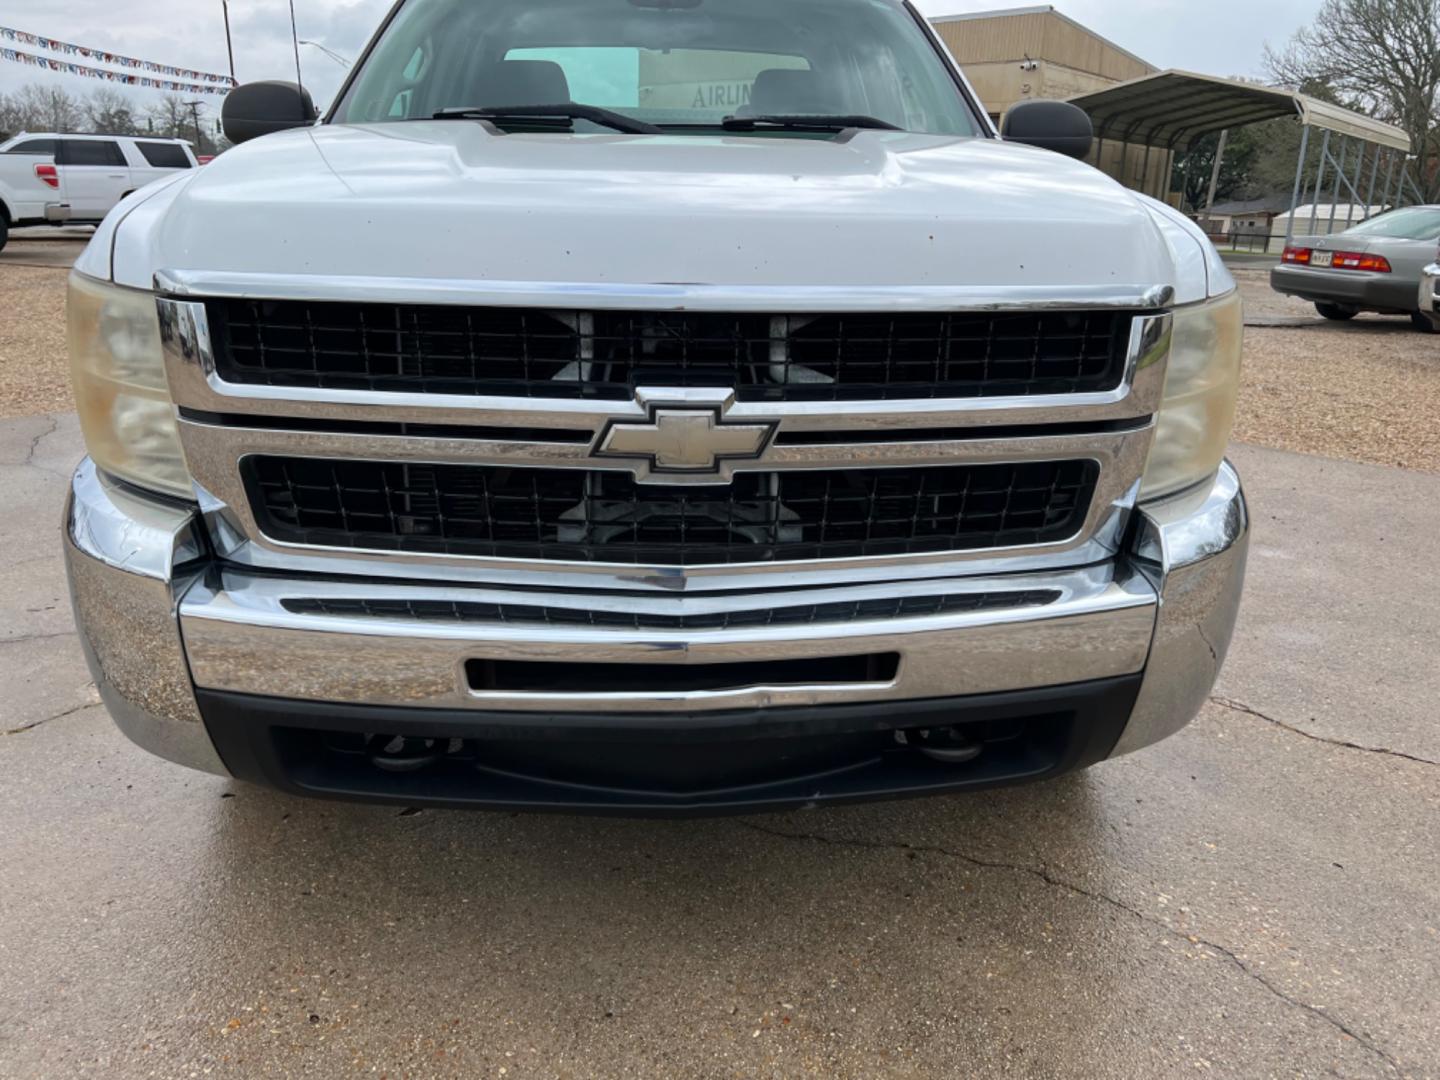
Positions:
(194, 107)
(295, 37)
(229, 44)
(1215, 170)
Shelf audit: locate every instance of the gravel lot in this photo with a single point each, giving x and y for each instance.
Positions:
(34, 372)
(1367, 390)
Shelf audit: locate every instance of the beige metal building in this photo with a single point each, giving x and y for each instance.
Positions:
(1029, 53)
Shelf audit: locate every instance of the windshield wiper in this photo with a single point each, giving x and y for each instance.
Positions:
(805, 123)
(566, 111)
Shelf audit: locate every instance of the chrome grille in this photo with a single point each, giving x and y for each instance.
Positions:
(607, 355)
(333, 435)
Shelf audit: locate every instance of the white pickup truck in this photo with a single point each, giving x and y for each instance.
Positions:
(48, 179)
(652, 406)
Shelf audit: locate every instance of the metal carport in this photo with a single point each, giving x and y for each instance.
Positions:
(1170, 109)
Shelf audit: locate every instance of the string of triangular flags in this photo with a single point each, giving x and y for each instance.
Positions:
(184, 80)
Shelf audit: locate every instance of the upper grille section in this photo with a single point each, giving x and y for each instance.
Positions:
(606, 355)
(602, 516)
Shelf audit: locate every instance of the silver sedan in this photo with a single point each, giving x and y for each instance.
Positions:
(1373, 266)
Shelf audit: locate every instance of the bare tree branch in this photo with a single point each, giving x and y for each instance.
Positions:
(1379, 57)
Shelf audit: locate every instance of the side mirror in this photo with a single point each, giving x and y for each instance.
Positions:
(257, 109)
(1050, 125)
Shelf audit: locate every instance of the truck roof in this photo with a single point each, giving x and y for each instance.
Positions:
(94, 135)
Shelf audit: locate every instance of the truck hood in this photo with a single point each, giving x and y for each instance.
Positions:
(452, 200)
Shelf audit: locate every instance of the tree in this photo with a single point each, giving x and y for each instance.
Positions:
(12, 119)
(1194, 166)
(171, 117)
(106, 110)
(109, 112)
(1379, 57)
(42, 108)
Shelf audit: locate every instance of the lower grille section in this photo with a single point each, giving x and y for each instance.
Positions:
(605, 516)
(740, 760)
(841, 611)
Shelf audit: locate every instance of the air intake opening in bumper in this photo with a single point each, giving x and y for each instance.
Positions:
(524, 676)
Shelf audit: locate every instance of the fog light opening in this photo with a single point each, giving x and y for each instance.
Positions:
(950, 746)
(405, 753)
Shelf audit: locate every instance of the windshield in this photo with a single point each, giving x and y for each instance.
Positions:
(684, 65)
(1409, 223)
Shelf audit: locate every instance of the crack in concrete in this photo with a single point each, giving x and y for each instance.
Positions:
(37, 637)
(38, 439)
(44, 556)
(1241, 707)
(30, 463)
(45, 720)
(1042, 873)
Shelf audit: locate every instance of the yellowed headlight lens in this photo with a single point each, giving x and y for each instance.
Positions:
(1201, 384)
(119, 378)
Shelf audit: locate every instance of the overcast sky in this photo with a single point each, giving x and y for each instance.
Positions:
(1220, 37)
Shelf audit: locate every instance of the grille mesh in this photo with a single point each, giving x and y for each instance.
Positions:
(606, 516)
(799, 615)
(608, 354)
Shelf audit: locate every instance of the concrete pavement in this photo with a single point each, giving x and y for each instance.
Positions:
(1256, 897)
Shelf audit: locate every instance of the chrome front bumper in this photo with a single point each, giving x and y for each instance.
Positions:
(1429, 302)
(159, 618)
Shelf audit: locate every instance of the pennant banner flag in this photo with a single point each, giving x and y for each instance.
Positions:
(66, 68)
(171, 78)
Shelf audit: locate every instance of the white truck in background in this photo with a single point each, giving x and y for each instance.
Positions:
(48, 179)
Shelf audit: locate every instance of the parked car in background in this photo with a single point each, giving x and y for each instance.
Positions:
(48, 179)
(1373, 266)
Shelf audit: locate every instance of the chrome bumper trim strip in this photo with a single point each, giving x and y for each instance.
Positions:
(662, 297)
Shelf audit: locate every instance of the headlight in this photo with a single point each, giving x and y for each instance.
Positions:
(119, 376)
(1201, 383)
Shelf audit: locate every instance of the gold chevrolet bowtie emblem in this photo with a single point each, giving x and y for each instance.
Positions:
(685, 440)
